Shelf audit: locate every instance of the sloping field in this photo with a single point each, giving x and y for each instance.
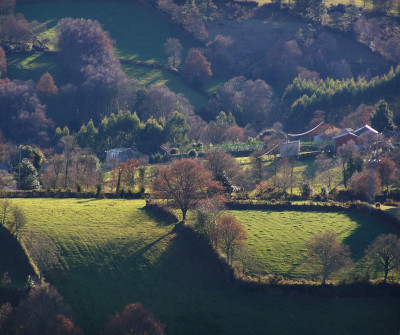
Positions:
(139, 32)
(277, 240)
(112, 252)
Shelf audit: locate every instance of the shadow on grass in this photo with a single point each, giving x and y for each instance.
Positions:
(13, 259)
(161, 221)
(368, 228)
(87, 200)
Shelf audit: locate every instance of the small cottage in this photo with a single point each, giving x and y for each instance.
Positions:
(121, 155)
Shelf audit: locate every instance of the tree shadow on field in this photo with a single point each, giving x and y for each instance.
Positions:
(87, 200)
(13, 259)
(368, 228)
(161, 221)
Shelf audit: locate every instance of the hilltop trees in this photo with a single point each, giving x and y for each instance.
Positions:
(185, 181)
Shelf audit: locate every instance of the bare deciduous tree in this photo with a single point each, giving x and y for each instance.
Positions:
(326, 255)
(384, 253)
(232, 234)
(184, 181)
(173, 49)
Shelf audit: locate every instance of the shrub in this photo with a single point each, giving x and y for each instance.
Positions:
(174, 151)
(192, 153)
(307, 190)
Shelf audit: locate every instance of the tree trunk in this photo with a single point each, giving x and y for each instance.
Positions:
(184, 214)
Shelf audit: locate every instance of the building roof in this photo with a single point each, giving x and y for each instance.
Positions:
(362, 130)
(345, 134)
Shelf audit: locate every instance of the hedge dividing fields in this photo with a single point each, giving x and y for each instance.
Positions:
(107, 253)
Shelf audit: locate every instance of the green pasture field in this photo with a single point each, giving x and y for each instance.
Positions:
(277, 240)
(113, 252)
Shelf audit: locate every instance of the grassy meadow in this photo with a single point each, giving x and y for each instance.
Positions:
(277, 240)
(112, 252)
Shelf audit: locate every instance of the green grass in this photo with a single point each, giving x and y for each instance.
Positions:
(113, 252)
(33, 66)
(277, 240)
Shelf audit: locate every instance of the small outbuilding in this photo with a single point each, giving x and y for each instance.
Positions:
(290, 149)
(121, 155)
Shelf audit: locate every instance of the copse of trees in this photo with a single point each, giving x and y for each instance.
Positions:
(249, 101)
(124, 128)
(99, 84)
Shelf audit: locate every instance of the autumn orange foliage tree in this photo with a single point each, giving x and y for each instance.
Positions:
(134, 319)
(185, 181)
(46, 85)
(197, 69)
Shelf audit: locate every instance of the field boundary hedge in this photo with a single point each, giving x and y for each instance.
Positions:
(71, 194)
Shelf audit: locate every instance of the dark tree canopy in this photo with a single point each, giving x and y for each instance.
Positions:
(382, 119)
(22, 116)
(197, 69)
(248, 100)
(91, 66)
